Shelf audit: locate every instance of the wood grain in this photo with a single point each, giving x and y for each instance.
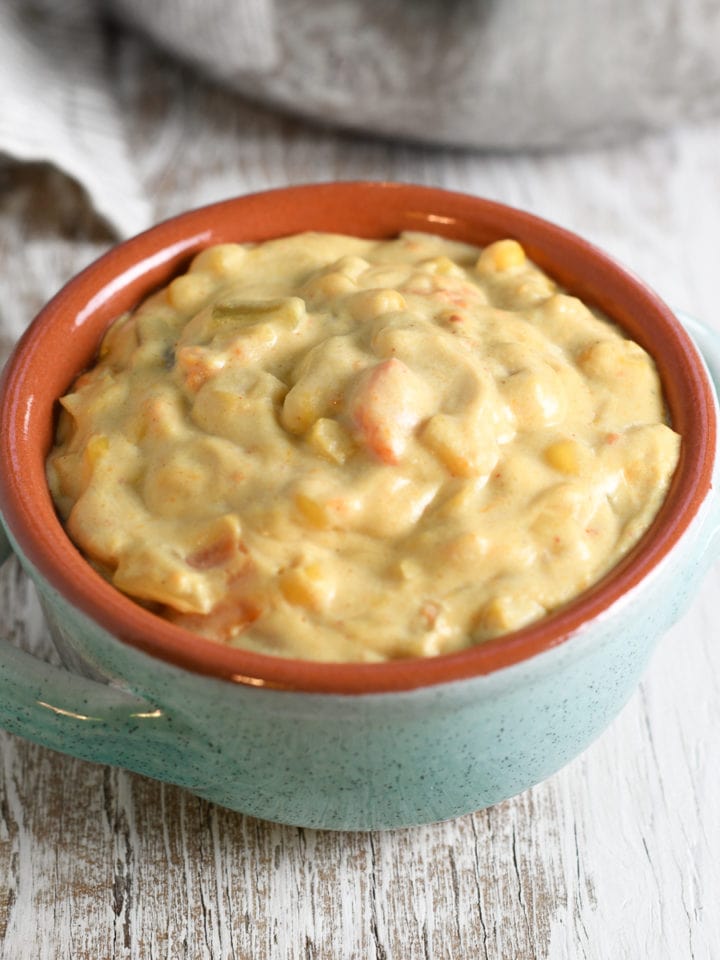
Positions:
(614, 857)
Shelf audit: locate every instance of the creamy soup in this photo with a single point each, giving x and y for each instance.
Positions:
(341, 449)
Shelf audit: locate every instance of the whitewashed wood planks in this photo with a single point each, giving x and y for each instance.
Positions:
(615, 857)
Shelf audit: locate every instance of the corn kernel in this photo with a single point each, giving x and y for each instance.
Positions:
(329, 286)
(161, 417)
(565, 456)
(222, 260)
(500, 256)
(197, 365)
(313, 511)
(447, 437)
(370, 304)
(465, 549)
(306, 586)
(504, 613)
(536, 396)
(420, 283)
(97, 446)
(610, 359)
(352, 266)
(330, 440)
(532, 290)
(443, 266)
(301, 408)
(636, 472)
(190, 292)
(218, 544)
(408, 569)
(564, 306)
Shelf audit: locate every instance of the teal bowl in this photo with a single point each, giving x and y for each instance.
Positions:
(340, 746)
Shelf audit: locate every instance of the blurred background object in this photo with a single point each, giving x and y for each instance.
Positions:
(481, 73)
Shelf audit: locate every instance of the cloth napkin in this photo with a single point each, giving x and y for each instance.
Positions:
(57, 102)
(57, 105)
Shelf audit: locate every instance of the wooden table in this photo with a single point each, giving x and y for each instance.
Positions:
(617, 856)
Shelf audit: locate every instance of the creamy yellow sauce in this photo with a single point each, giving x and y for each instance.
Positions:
(341, 449)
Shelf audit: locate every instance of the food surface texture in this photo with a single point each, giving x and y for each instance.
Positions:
(341, 449)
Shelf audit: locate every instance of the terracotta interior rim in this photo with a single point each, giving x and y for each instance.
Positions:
(32, 520)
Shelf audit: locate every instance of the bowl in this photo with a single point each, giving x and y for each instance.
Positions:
(340, 745)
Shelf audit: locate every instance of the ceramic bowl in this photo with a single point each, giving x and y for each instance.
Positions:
(343, 746)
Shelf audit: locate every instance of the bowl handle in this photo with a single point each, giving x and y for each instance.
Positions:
(90, 720)
(707, 340)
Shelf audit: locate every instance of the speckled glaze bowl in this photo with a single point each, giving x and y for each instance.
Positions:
(342, 746)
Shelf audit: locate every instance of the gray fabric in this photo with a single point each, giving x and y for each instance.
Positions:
(488, 73)
(212, 33)
(57, 104)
